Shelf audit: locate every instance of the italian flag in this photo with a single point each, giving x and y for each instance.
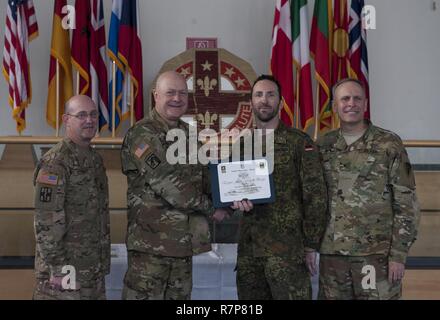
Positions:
(281, 64)
(300, 36)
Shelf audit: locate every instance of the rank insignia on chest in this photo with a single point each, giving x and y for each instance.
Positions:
(47, 178)
(45, 194)
(153, 161)
(141, 149)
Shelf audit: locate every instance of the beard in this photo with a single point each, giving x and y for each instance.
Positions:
(266, 116)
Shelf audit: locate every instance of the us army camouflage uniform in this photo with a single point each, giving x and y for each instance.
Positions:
(374, 213)
(167, 214)
(270, 262)
(72, 224)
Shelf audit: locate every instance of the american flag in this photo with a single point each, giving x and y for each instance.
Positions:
(47, 178)
(21, 27)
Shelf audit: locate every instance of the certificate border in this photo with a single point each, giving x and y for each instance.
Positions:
(215, 190)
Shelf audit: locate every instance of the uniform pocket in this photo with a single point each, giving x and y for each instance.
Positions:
(389, 291)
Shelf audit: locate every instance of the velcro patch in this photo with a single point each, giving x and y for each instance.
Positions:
(141, 149)
(153, 161)
(45, 194)
(47, 178)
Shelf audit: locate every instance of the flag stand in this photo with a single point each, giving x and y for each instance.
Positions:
(77, 82)
(297, 101)
(131, 104)
(317, 115)
(57, 100)
(113, 98)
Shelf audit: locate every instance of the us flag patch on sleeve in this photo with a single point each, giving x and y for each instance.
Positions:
(47, 178)
(141, 149)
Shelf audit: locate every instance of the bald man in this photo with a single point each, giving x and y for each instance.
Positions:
(72, 225)
(168, 210)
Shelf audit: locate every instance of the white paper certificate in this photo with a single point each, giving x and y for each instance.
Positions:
(244, 180)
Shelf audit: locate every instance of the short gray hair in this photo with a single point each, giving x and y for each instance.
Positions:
(345, 80)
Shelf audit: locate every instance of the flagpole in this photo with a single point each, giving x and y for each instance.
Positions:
(57, 99)
(77, 82)
(317, 124)
(131, 104)
(297, 100)
(113, 98)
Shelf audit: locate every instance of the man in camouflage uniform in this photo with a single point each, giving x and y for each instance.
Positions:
(168, 209)
(72, 224)
(374, 210)
(278, 241)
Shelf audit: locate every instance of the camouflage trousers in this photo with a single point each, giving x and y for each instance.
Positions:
(44, 291)
(272, 278)
(356, 278)
(151, 277)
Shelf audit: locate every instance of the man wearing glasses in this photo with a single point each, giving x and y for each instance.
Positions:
(72, 225)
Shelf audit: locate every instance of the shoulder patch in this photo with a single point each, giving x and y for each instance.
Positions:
(153, 161)
(45, 194)
(141, 149)
(47, 178)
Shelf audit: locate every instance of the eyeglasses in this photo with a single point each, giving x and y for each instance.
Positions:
(172, 93)
(83, 115)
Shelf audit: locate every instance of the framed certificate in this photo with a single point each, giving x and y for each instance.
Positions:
(238, 180)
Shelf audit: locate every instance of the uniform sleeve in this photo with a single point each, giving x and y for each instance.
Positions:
(50, 219)
(146, 157)
(314, 194)
(406, 209)
(105, 220)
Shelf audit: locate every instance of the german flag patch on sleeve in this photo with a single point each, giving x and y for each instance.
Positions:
(309, 147)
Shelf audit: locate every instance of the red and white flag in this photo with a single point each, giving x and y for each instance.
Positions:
(89, 54)
(21, 28)
(130, 52)
(281, 65)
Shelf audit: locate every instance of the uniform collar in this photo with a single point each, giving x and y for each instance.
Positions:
(76, 148)
(281, 127)
(280, 136)
(279, 130)
(363, 142)
(154, 115)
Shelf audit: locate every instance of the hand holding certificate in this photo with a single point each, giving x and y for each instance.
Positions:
(237, 180)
